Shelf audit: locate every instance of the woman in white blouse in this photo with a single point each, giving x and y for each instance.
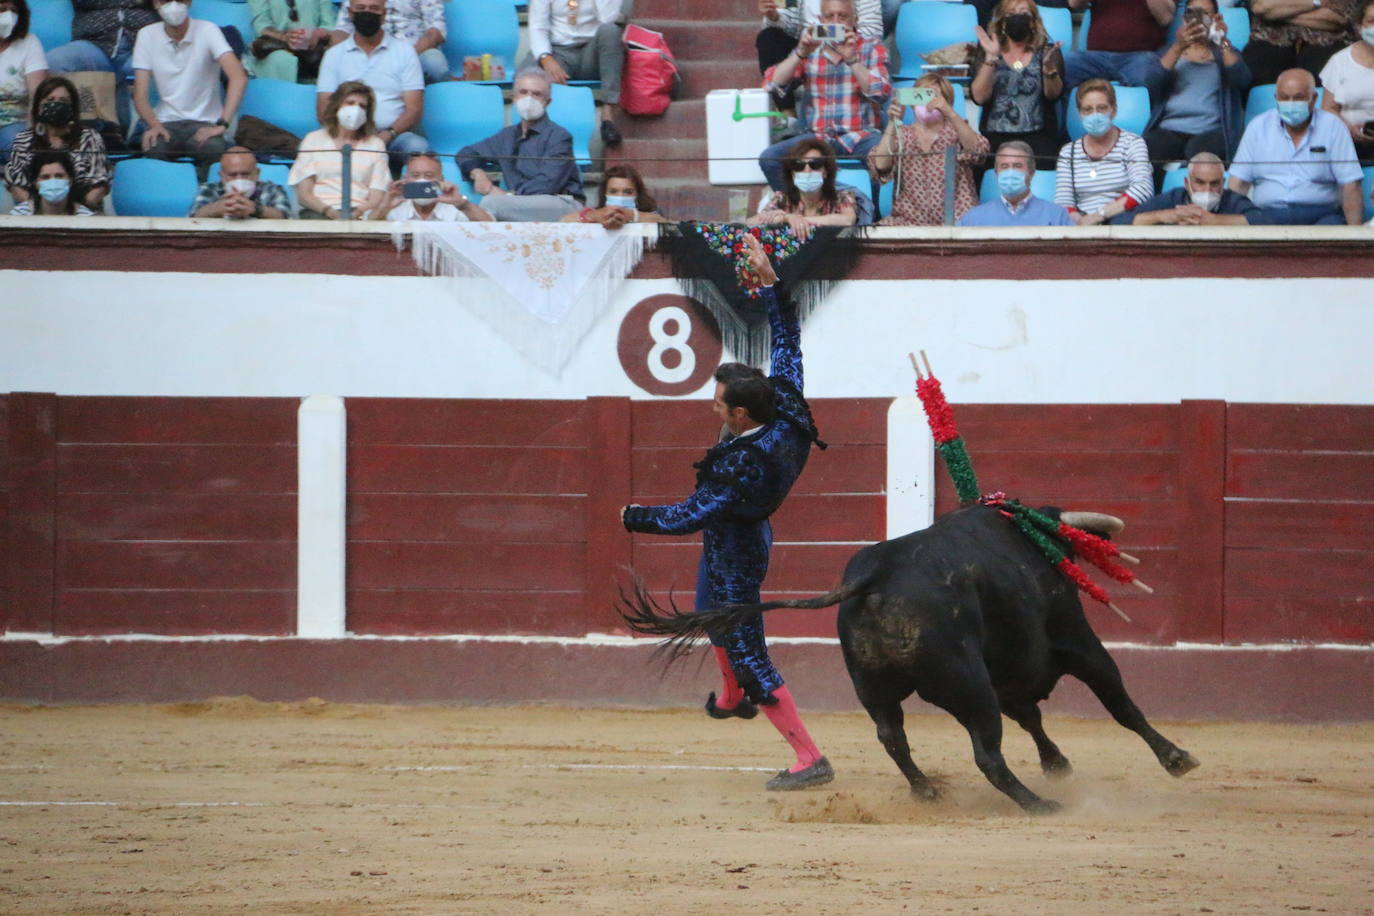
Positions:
(1348, 81)
(317, 173)
(1107, 172)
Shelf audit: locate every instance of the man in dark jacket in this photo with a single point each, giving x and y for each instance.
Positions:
(1204, 200)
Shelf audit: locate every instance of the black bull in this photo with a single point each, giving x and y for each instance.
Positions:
(970, 616)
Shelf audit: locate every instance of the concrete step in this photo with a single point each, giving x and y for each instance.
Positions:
(701, 76)
(699, 10)
(684, 120)
(697, 200)
(658, 160)
(693, 39)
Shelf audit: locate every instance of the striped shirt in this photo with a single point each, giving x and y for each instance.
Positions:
(868, 14)
(1088, 185)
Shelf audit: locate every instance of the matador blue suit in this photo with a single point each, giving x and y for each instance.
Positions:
(740, 483)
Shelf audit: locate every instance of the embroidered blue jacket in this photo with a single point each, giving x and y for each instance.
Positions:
(744, 479)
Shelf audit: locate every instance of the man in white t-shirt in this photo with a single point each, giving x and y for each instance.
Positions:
(389, 67)
(184, 57)
(451, 206)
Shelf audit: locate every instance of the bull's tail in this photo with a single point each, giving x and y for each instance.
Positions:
(682, 629)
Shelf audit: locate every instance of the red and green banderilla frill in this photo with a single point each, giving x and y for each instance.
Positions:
(1046, 533)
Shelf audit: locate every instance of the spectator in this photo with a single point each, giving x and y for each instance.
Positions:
(22, 68)
(1295, 33)
(1123, 44)
(52, 190)
(240, 192)
(104, 33)
(389, 66)
(579, 39)
(782, 26)
(624, 199)
(451, 206)
(56, 119)
(1204, 200)
(1107, 171)
(808, 197)
(291, 38)
(1015, 204)
(1018, 77)
(914, 155)
(317, 174)
(535, 158)
(1299, 162)
(184, 58)
(418, 23)
(1205, 105)
(1348, 81)
(846, 89)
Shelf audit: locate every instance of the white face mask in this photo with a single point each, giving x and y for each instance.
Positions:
(245, 186)
(174, 13)
(352, 117)
(529, 108)
(8, 20)
(1207, 200)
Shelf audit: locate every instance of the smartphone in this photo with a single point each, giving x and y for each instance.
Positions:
(420, 190)
(789, 4)
(1194, 17)
(831, 33)
(911, 96)
(1369, 128)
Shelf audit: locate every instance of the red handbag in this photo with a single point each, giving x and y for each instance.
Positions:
(650, 71)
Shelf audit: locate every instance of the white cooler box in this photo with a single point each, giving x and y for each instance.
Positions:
(734, 146)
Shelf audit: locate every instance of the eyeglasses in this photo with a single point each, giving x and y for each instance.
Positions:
(809, 165)
(572, 12)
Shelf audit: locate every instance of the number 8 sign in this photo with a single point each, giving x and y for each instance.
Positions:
(669, 345)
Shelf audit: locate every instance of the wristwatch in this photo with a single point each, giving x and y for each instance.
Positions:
(220, 122)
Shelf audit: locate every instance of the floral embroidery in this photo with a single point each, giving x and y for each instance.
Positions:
(727, 240)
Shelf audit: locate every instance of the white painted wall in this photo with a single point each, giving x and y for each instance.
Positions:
(991, 341)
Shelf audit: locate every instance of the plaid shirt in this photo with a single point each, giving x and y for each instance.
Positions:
(267, 194)
(842, 111)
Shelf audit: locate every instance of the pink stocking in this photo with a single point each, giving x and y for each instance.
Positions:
(731, 693)
(783, 714)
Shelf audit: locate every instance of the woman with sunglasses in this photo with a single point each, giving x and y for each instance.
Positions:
(809, 197)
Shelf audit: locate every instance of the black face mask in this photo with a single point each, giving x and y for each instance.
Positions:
(55, 112)
(1017, 26)
(367, 24)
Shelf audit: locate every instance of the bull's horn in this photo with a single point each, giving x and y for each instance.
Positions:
(1093, 521)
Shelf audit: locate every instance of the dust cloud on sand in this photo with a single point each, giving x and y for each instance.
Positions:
(232, 805)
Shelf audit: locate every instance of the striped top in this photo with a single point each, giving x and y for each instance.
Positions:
(1088, 185)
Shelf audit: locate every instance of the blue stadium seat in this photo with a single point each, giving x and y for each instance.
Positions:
(458, 113)
(50, 21)
(1132, 110)
(477, 27)
(1059, 24)
(1080, 42)
(224, 13)
(151, 187)
(1368, 189)
(1042, 185)
(960, 101)
(450, 167)
(1261, 99)
(926, 26)
(1174, 178)
(290, 106)
(574, 108)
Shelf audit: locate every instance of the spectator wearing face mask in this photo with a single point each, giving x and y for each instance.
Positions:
(535, 157)
(56, 120)
(240, 192)
(450, 206)
(1018, 76)
(1204, 200)
(913, 155)
(1106, 172)
(1015, 204)
(1298, 165)
(1348, 83)
(418, 23)
(846, 85)
(291, 38)
(317, 174)
(388, 65)
(624, 199)
(52, 191)
(809, 196)
(22, 68)
(184, 58)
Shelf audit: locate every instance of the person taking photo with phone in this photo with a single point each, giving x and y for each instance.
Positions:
(785, 20)
(423, 194)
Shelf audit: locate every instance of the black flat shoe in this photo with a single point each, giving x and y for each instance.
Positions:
(610, 134)
(742, 710)
(818, 774)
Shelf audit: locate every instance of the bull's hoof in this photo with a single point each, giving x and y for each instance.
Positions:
(818, 774)
(926, 792)
(1042, 806)
(1181, 762)
(1058, 768)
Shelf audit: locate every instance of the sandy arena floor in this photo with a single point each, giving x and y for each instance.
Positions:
(239, 806)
